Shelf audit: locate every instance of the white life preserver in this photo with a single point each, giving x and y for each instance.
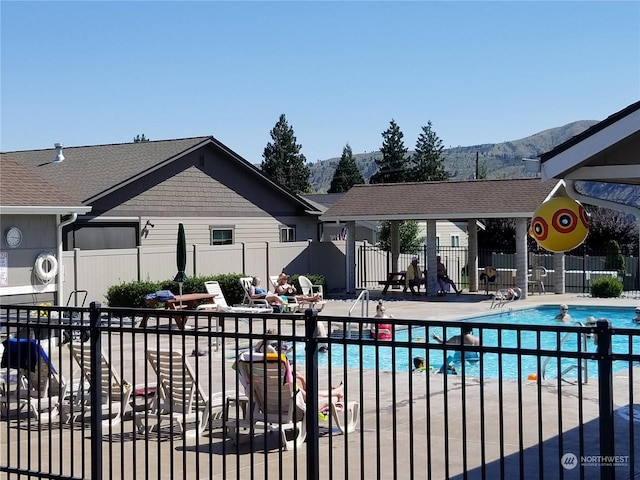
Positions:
(46, 275)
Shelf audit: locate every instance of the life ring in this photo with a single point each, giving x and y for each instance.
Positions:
(42, 273)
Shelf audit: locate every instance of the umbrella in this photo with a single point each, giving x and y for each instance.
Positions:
(181, 276)
(181, 257)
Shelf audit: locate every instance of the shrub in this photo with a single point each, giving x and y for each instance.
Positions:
(606, 287)
(132, 294)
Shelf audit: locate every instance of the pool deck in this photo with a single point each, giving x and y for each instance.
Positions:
(433, 399)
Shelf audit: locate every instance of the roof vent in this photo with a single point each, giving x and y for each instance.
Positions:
(59, 156)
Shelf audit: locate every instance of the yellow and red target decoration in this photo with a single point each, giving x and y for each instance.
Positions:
(560, 224)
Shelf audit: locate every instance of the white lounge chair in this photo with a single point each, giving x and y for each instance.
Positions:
(179, 398)
(221, 304)
(115, 393)
(309, 290)
(39, 387)
(293, 304)
(277, 403)
(505, 295)
(536, 279)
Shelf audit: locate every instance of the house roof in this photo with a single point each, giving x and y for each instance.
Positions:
(92, 172)
(609, 151)
(452, 200)
(22, 190)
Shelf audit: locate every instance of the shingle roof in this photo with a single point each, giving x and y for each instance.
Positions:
(21, 186)
(91, 170)
(441, 200)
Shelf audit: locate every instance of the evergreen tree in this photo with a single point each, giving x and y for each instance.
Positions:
(140, 139)
(409, 240)
(283, 161)
(347, 174)
(392, 167)
(427, 161)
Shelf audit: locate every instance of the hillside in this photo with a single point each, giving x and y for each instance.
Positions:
(501, 160)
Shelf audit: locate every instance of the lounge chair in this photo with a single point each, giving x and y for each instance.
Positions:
(115, 392)
(276, 402)
(39, 387)
(505, 295)
(179, 398)
(309, 290)
(221, 304)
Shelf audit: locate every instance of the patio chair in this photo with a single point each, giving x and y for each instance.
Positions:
(39, 387)
(309, 291)
(536, 279)
(115, 392)
(490, 277)
(292, 301)
(179, 398)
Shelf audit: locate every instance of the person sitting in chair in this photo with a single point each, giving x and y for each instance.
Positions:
(414, 276)
(256, 291)
(443, 277)
(285, 289)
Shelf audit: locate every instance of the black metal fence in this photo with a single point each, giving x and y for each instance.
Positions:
(373, 266)
(530, 401)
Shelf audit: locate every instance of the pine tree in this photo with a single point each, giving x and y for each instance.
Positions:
(427, 161)
(283, 161)
(347, 174)
(392, 167)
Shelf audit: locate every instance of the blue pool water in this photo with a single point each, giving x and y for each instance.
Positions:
(400, 358)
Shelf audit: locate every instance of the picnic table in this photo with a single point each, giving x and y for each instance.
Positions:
(397, 279)
(188, 301)
(394, 279)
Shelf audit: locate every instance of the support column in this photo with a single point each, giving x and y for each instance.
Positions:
(472, 256)
(432, 274)
(522, 267)
(351, 258)
(558, 272)
(395, 244)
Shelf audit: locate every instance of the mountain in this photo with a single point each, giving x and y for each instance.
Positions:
(499, 160)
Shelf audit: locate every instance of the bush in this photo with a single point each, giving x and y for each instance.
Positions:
(606, 287)
(614, 259)
(132, 294)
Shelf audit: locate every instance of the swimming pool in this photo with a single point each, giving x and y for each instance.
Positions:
(382, 358)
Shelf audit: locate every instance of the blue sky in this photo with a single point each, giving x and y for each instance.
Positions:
(91, 73)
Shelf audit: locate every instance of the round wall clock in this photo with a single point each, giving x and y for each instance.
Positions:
(13, 237)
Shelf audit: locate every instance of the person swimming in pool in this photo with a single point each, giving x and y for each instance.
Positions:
(467, 338)
(637, 317)
(563, 316)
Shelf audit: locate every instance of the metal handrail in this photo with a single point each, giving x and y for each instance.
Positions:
(363, 298)
(584, 368)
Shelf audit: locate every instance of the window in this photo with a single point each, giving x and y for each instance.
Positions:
(455, 240)
(221, 235)
(287, 234)
(100, 235)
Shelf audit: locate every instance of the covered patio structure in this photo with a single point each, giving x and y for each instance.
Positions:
(432, 201)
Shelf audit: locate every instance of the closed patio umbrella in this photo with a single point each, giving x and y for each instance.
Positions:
(181, 257)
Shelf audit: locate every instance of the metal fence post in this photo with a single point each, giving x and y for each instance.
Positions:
(311, 361)
(96, 391)
(605, 395)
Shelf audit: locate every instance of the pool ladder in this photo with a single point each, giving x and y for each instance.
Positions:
(585, 370)
(363, 300)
